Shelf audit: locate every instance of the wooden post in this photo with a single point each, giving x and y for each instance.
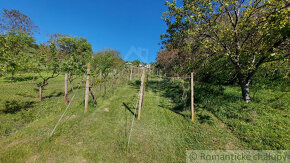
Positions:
(87, 88)
(131, 73)
(192, 97)
(141, 93)
(65, 88)
(146, 79)
(101, 81)
(40, 93)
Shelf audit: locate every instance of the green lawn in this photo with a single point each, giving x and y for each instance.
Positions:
(163, 134)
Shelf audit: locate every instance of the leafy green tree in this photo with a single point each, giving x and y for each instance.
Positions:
(249, 33)
(12, 52)
(105, 62)
(75, 54)
(46, 63)
(136, 63)
(15, 39)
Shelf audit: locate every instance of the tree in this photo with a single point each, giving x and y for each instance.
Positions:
(104, 62)
(12, 51)
(168, 60)
(76, 53)
(46, 64)
(15, 21)
(15, 38)
(136, 63)
(249, 33)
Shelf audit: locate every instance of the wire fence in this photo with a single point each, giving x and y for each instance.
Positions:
(23, 95)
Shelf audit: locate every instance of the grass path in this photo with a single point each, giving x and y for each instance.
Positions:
(102, 134)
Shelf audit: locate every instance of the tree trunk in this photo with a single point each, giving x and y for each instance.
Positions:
(33, 78)
(105, 89)
(40, 93)
(246, 91)
(244, 82)
(115, 77)
(70, 79)
(93, 96)
(12, 77)
(65, 88)
(192, 95)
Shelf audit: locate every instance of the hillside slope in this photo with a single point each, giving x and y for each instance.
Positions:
(102, 134)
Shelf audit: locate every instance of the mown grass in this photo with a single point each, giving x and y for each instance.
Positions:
(262, 124)
(102, 134)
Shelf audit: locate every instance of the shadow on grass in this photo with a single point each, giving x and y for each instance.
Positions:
(205, 94)
(54, 94)
(25, 95)
(20, 79)
(13, 106)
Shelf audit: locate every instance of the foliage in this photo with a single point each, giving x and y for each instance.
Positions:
(249, 33)
(13, 48)
(15, 21)
(46, 63)
(136, 63)
(106, 61)
(76, 53)
(168, 61)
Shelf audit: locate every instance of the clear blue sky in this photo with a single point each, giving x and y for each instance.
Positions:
(131, 26)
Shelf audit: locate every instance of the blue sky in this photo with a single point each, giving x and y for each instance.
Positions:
(131, 26)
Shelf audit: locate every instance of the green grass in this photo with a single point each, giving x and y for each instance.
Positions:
(163, 134)
(262, 124)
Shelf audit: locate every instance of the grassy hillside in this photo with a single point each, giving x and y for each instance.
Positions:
(262, 124)
(163, 134)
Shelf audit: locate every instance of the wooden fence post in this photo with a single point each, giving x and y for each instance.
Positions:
(192, 97)
(141, 93)
(87, 88)
(146, 78)
(131, 73)
(65, 88)
(40, 93)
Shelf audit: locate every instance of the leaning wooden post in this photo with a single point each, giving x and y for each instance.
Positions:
(192, 97)
(65, 88)
(141, 93)
(87, 88)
